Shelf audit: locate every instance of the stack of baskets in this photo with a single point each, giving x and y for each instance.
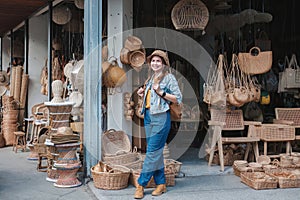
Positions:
(133, 53)
(10, 119)
(117, 150)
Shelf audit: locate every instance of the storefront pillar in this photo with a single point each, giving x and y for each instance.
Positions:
(92, 82)
(119, 26)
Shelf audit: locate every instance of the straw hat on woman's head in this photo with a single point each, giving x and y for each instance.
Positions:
(161, 54)
(3, 78)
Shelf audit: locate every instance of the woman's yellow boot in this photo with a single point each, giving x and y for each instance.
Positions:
(139, 192)
(162, 188)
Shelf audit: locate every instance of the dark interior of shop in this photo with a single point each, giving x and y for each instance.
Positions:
(278, 25)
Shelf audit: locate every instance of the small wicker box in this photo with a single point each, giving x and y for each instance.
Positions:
(277, 132)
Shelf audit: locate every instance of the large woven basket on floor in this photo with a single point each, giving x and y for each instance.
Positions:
(258, 180)
(115, 179)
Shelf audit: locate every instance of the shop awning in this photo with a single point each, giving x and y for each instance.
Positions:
(14, 12)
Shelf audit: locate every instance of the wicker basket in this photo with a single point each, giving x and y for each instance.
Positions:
(137, 58)
(263, 159)
(289, 114)
(258, 180)
(173, 166)
(125, 158)
(114, 142)
(286, 160)
(286, 179)
(277, 132)
(115, 180)
(138, 164)
(133, 43)
(170, 179)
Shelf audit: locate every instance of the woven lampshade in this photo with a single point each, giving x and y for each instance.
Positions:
(190, 15)
(61, 15)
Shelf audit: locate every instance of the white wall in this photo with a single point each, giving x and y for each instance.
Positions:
(37, 53)
(6, 53)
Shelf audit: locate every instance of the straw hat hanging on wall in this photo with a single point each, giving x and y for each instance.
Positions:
(61, 14)
(3, 78)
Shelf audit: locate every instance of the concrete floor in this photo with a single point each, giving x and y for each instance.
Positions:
(20, 180)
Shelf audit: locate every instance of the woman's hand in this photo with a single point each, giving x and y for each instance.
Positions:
(141, 91)
(157, 89)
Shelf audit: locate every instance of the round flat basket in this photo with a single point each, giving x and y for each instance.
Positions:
(114, 142)
(61, 15)
(137, 59)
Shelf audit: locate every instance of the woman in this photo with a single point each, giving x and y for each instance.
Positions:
(160, 89)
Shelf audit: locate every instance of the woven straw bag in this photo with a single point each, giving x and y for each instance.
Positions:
(232, 100)
(255, 64)
(114, 76)
(114, 142)
(217, 93)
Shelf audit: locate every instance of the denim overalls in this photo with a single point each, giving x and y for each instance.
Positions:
(157, 123)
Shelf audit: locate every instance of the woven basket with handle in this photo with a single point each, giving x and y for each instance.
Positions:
(115, 142)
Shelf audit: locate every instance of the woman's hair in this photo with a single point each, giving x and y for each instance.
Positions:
(163, 74)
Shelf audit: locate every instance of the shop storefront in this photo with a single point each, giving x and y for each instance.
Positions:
(81, 44)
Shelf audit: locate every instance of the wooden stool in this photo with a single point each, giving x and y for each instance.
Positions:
(19, 141)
